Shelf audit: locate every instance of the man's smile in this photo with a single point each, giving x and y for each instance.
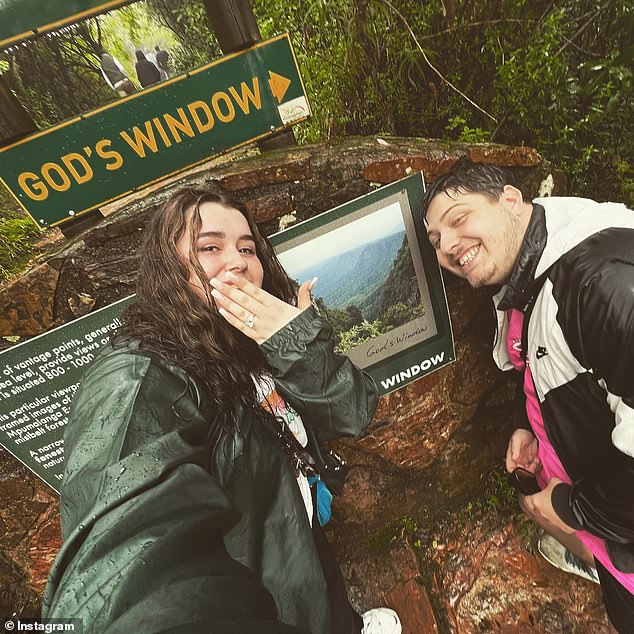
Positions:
(468, 255)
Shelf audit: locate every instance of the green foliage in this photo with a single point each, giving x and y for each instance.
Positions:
(15, 243)
(358, 334)
(465, 133)
(195, 44)
(400, 313)
(57, 76)
(134, 27)
(389, 303)
(556, 76)
(17, 234)
(398, 530)
(498, 496)
(400, 294)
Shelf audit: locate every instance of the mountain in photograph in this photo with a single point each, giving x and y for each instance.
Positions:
(401, 285)
(354, 274)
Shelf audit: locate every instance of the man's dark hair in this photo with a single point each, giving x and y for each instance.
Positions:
(468, 178)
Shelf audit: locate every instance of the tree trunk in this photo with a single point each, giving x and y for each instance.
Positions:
(235, 28)
(15, 122)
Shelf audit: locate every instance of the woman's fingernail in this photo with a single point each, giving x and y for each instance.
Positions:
(216, 294)
(214, 282)
(230, 276)
(222, 311)
(313, 283)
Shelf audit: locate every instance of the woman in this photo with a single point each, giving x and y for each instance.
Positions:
(185, 504)
(146, 72)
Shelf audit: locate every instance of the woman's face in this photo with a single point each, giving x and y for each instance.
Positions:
(225, 243)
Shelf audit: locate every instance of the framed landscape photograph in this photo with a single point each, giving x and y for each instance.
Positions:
(379, 284)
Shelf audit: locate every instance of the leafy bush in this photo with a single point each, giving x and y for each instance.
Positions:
(16, 244)
(358, 334)
(400, 314)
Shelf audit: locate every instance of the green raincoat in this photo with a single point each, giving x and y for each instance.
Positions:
(163, 533)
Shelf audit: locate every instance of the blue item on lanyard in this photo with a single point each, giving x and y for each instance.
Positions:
(324, 499)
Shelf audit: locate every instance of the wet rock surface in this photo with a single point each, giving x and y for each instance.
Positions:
(29, 537)
(427, 524)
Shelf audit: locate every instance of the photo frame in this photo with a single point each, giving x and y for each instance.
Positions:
(380, 285)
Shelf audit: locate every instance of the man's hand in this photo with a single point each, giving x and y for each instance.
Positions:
(522, 452)
(540, 507)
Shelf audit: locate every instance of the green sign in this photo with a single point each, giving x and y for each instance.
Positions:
(379, 282)
(88, 161)
(20, 19)
(37, 381)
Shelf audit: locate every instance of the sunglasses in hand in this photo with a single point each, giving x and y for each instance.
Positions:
(523, 481)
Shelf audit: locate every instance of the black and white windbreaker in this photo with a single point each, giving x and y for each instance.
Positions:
(580, 347)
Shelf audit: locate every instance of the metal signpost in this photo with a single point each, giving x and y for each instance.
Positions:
(67, 170)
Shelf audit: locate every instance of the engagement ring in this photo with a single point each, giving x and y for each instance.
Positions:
(249, 321)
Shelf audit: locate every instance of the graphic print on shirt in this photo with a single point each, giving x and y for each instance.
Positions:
(273, 403)
(276, 405)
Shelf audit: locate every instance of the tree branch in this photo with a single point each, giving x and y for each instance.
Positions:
(579, 31)
(470, 25)
(442, 77)
(581, 50)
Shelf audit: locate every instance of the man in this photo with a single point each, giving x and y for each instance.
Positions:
(566, 320)
(115, 75)
(162, 60)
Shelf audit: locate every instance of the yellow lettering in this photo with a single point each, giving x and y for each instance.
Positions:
(34, 189)
(47, 168)
(68, 159)
(247, 95)
(100, 148)
(140, 139)
(175, 125)
(225, 118)
(164, 136)
(193, 109)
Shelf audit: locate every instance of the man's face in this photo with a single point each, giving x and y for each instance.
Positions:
(475, 237)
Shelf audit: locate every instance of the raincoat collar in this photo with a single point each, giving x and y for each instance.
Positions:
(517, 291)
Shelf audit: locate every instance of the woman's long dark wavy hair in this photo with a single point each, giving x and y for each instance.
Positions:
(171, 319)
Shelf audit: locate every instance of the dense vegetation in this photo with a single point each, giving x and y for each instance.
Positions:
(553, 75)
(391, 302)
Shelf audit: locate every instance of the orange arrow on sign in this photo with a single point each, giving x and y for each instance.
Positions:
(279, 85)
